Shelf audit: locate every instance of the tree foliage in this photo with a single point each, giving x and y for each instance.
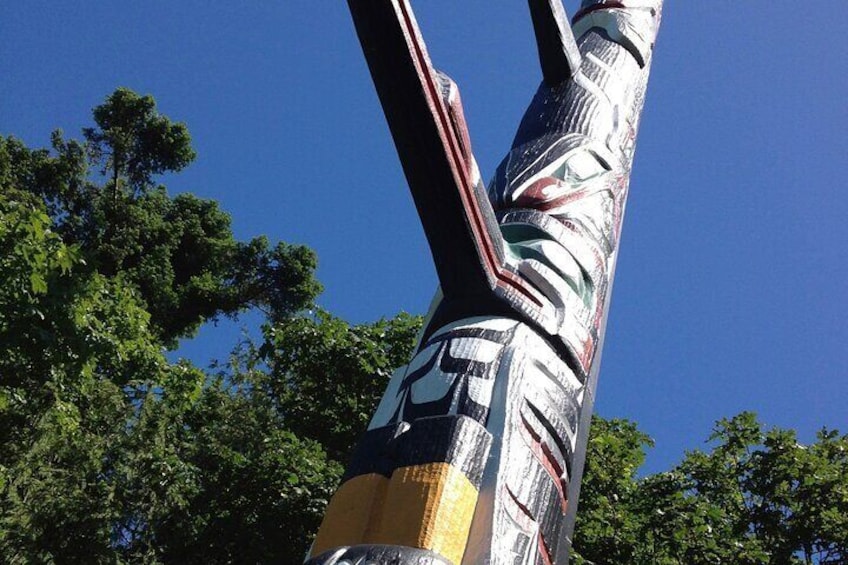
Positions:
(108, 453)
(111, 454)
(178, 253)
(757, 497)
(133, 142)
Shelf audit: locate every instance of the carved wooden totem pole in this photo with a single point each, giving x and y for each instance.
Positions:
(476, 450)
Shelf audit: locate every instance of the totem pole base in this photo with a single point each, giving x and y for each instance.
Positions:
(382, 554)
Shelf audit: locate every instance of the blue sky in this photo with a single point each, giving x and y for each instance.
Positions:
(731, 289)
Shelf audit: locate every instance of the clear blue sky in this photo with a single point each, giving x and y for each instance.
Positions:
(732, 281)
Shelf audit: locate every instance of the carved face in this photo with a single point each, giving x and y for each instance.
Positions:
(572, 179)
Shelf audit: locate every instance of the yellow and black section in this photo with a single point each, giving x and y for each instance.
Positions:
(410, 485)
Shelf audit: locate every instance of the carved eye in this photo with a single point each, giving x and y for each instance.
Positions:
(566, 173)
(580, 167)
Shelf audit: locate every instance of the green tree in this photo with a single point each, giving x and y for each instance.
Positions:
(216, 478)
(607, 528)
(133, 142)
(108, 453)
(74, 350)
(179, 253)
(757, 497)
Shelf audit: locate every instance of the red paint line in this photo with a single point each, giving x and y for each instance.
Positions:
(524, 509)
(544, 455)
(544, 550)
(457, 164)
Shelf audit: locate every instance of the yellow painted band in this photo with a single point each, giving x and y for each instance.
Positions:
(426, 506)
(350, 512)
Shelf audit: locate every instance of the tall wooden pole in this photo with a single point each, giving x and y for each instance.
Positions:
(476, 451)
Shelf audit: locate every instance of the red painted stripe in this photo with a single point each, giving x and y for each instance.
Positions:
(457, 163)
(544, 455)
(544, 551)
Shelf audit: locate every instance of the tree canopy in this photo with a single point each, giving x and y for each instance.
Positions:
(756, 497)
(179, 252)
(109, 453)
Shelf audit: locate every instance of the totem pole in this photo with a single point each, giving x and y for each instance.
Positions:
(476, 450)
